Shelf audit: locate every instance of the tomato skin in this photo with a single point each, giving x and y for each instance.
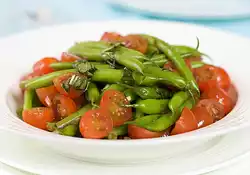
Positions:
(38, 117)
(187, 122)
(136, 42)
(214, 108)
(135, 132)
(112, 100)
(96, 124)
(42, 67)
(64, 106)
(209, 76)
(111, 37)
(221, 96)
(66, 57)
(202, 116)
(46, 95)
(232, 93)
(73, 93)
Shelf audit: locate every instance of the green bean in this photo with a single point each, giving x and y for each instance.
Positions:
(44, 80)
(138, 114)
(108, 75)
(152, 92)
(130, 95)
(28, 99)
(91, 50)
(118, 131)
(177, 100)
(145, 80)
(152, 50)
(170, 78)
(145, 120)
(187, 51)
(151, 106)
(114, 87)
(19, 112)
(167, 120)
(197, 64)
(73, 118)
(61, 65)
(180, 64)
(69, 130)
(158, 63)
(158, 57)
(93, 93)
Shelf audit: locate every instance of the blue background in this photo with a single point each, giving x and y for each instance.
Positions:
(20, 15)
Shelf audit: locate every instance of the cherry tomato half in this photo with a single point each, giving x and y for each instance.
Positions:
(73, 93)
(64, 106)
(42, 67)
(214, 108)
(209, 76)
(220, 96)
(38, 117)
(111, 37)
(135, 132)
(202, 116)
(187, 122)
(46, 95)
(232, 93)
(66, 57)
(113, 101)
(136, 42)
(96, 124)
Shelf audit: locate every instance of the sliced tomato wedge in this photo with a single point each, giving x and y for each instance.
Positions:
(221, 96)
(202, 116)
(187, 122)
(80, 101)
(111, 37)
(135, 132)
(42, 66)
(46, 95)
(66, 57)
(96, 124)
(63, 106)
(58, 83)
(209, 76)
(113, 101)
(214, 108)
(136, 42)
(38, 117)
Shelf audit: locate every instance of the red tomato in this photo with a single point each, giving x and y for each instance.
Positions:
(220, 96)
(112, 100)
(232, 93)
(42, 67)
(214, 108)
(66, 57)
(202, 116)
(79, 101)
(187, 122)
(209, 76)
(73, 93)
(111, 37)
(135, 132)
(136, 42)
(28, 76)
(46, 95)
(96, 124)
(38, 117)
(64, 106)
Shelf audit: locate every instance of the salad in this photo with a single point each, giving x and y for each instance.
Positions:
(125, 87)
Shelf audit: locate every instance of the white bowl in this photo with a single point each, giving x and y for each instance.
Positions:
(19, 52)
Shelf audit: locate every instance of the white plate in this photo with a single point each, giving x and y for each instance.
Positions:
(31, 157)
(188, 9)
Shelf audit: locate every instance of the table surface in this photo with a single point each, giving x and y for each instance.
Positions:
(29, 14)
